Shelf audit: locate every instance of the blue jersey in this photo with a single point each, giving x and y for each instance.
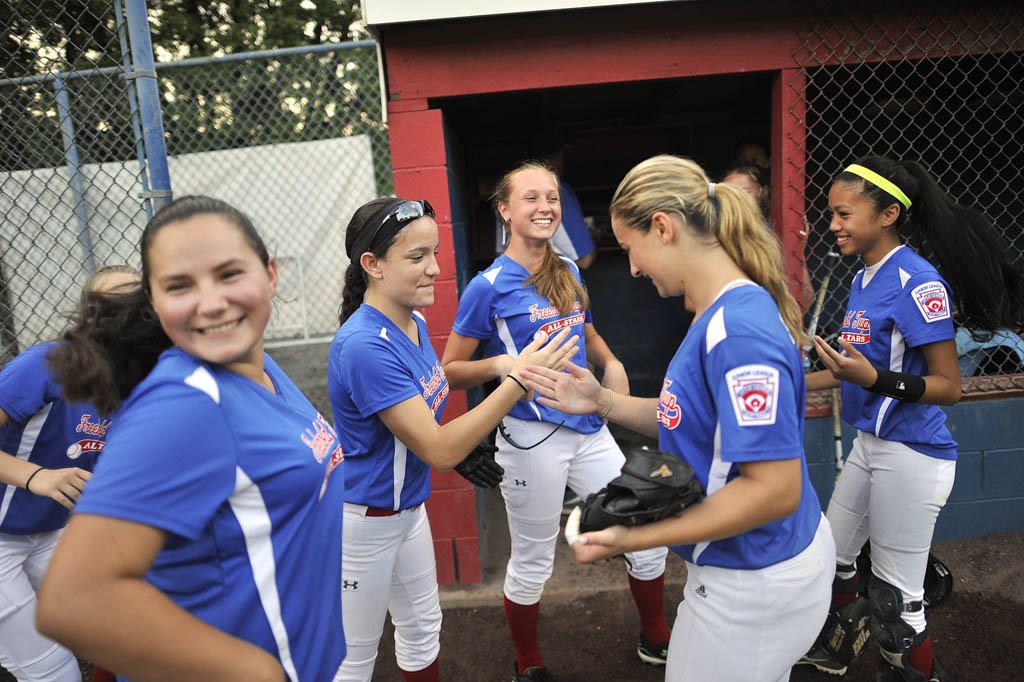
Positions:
(241, 480)
(903, 305)
(497, 309)
(43, 429)
(373, 365)
(734, 392)
(572, 238)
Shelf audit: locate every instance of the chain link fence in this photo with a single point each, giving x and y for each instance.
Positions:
(293, 137)
(67, 161)
(939, 83)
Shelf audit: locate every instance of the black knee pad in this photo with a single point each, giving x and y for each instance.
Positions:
(895, 637)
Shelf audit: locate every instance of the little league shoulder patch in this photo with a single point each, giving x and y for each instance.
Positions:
(754, 390)
(932, 301)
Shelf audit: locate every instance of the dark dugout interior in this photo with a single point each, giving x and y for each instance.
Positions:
(607, 130)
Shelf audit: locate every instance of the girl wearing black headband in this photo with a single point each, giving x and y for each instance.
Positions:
(896, 364)
(388, 392)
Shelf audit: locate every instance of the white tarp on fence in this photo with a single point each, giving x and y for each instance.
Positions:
(316, 187)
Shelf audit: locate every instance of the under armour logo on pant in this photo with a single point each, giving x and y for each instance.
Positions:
(350, 584)
(520, 482)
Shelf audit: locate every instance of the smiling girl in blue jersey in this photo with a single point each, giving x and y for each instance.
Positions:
(526, 289)
(48, 447)
(758, 551)
(388, 392)
(208, 544)
(896, 364)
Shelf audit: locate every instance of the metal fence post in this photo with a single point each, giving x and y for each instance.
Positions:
(67, 133)
(144, 73)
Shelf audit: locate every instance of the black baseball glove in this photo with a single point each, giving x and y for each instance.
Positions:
(653, 485)
(479, 467)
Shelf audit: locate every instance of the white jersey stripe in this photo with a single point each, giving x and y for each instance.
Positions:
(253, 518)
(506, 337)
(29, 436)
(717, 476)
(896, 352)
(399, 472)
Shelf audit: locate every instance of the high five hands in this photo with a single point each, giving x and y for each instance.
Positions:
(575, 391)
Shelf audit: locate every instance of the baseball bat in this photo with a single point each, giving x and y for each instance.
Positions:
(837, 432)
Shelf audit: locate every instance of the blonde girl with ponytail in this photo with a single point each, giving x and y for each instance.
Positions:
(525, 290)
(758, 551)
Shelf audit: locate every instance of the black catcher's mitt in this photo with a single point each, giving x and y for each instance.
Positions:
(479, 467)
(653, 485)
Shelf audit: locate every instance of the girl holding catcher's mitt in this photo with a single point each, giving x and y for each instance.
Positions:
(758, 550)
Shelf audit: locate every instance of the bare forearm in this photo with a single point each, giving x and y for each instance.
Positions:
(464, 374)
(442, 447)
(130, 627)
(15, 471)
(638, 414)
(820, 380)
(743, 504)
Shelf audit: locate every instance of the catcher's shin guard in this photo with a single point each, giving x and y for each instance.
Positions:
(846, 629)
(653, 485)
(895, 637)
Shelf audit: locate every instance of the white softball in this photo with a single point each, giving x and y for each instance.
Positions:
(572, 526)
(74, 451)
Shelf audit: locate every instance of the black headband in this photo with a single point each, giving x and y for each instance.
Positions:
(370, 234)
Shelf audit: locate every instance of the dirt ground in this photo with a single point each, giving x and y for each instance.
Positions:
(589, 625)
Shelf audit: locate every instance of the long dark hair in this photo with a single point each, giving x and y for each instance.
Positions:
(988, 289)
(116, 337)
(354, 290)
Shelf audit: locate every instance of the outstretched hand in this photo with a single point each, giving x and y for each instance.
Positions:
(848, 365)
(64, 486)
(545, 352)
(574, 391)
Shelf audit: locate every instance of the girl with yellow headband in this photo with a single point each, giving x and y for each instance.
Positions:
(896, 363)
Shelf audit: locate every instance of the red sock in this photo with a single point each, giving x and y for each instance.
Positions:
(522, 623)
(428, 674)
(101, 675)
(649, 596)
(921, 656)
(841, 598)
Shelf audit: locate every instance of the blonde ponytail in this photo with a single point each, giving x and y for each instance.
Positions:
(675, 185)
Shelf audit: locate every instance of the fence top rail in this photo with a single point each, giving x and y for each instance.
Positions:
(195, 61)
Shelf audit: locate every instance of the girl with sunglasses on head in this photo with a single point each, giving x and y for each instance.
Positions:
(388, 391)
(48, 448)
(525, 290)
(757, 548)
(896, 363)
(208, 544)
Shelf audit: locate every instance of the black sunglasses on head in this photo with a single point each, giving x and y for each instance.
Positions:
(403, 213)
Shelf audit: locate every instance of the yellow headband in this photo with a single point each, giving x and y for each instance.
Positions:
(878, 181)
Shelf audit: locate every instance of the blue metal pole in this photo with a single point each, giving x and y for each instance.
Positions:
(133, 106)
(144, 73)
(67, 133)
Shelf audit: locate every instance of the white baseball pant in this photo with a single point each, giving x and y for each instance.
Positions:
(25, 653)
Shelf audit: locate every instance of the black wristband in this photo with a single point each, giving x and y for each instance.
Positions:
(525, 390)
(33, 475)
(906, 387)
